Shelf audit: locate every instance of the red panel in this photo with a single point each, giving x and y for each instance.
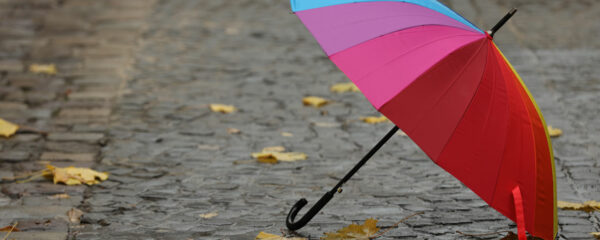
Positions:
(518, 164)
(544, 188)
(429, 109)
(474, 152)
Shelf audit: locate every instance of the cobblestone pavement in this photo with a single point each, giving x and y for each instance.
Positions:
(131, 98)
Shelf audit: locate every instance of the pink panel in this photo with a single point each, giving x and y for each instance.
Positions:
(342, 26)
(383, 67)
(430, 108)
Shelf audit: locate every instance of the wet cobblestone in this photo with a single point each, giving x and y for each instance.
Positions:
(131, 98)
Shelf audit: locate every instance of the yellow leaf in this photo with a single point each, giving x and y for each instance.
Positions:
(222, 108)
(268, 236)
(233, 131)
(355, 231)
(344, 87)
(60, 196)
(554, 132)
(274, 149)
(49, 69)
(588, 206)
(75, 176)
(289, 156)
(314, 101)
(74, 215)
(276, 154)
(374, 120)
(209, 215)
(7, 129)
(596, 234)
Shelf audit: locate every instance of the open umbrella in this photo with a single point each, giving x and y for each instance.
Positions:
(446, 84)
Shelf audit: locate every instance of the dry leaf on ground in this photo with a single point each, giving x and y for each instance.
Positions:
(74, 215)
(344, 87)
(354, 231)
(233, 131)
(209, 215)
(596, 234)
(588, 206)
(314, 101)
(74, 176)
(276, 153)
(374, 120)
(60, 196)
(9, 228)
(268, 236)
(7, 128)
(222, 108)
(554, 132)
(49, 69)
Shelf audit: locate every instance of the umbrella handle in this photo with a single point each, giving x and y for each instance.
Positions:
(289, 222)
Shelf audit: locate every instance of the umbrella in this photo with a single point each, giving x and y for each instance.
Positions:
(447, 85)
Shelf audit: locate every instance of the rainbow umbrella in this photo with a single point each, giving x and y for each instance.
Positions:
(447, 85)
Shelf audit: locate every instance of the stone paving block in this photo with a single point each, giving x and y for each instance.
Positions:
(11, 66)
(91, 95)
(12, 106)
(70, 136)
(85, 113)
(28, 212)
(46, 235)
(76, 157)
(14, 156)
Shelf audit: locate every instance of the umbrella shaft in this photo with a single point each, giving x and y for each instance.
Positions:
(502, 21)
(365, 158)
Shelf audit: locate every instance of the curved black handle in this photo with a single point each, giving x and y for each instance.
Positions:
(289, 222)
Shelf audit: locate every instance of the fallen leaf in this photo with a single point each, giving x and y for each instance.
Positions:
(588, 206)
(222, 108)
(314, 101)
(289, 156)
(209, 215)
(355, 231)
(286, 134)
(374, 120)
(233, 131)
(9, 228)
(274, 149)
(60, 196)
(344, 87)
(596, 234)
(276, 153)
(268, 236)
(7, 128)
(74, 215)
(401, 133)
(554, 132)
(265, 157)
(74, 176)
(49, 69)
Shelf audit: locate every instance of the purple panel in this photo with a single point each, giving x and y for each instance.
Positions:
(342, 26)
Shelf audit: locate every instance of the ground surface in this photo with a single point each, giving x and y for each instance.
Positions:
(131, 98)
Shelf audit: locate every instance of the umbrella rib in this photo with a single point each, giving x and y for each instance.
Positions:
(412, 50)
(453, 82)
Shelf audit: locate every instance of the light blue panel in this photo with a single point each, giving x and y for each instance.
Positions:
(300, 5)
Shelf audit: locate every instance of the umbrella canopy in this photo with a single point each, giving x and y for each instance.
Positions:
(447, 85)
